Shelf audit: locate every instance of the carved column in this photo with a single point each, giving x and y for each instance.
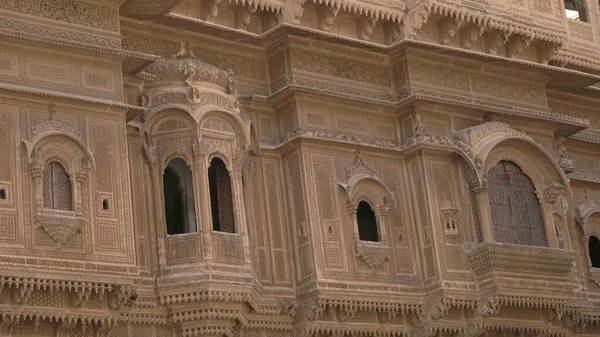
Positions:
(239, 208)
(158, 206)
(382, 216)
(37, 172)
(485, 213)
(77, 183)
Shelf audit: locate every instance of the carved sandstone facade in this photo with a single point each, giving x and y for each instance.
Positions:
(306, 168)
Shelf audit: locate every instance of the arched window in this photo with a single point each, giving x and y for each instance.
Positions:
(57, 187)
(221, 196)
(575, 10)
(594, 248)
(178, 187)
(367, 223)
(516, 211)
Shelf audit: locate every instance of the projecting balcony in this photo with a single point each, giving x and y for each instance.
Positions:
(520, 260)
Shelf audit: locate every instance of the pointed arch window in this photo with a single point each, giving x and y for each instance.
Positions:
(57, 187)
(594, 249)
(516, 212)
(221, 196)
(178, 188)
(367, 222)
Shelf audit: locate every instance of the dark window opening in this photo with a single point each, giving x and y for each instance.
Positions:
(2, 194)
(180, 212)
(367, 223)
(516, 212)
(57, 187)
(576, 10)
(594, 248)
(221, 196)
(105, 205)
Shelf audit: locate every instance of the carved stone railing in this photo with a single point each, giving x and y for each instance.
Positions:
(488, 257)
(182, 248)
(228, 247)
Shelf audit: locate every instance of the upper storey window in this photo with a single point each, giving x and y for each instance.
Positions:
(594, 248)
(178, 188)
(57, 187)
(575, 10)
(516, 211)
(367, 222)
(221, 196)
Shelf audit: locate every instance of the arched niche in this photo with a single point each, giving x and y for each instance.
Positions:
(70, 161)
(364, 187)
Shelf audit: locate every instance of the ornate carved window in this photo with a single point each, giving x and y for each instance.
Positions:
(367, 222)
(575, 10)
(221, 196)
(180, 213)
(594, 249)
(516, 212)
(57, 187)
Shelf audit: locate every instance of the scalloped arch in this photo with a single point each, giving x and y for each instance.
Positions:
(31, 145)
(523, 159)
(369, 187)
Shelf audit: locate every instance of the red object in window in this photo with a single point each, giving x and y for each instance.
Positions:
(508, 175)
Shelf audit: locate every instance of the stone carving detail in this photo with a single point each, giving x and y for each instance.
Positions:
(488, 307)
(245, 16)
(298, 11)
(517, 44)
(565, 163)
(286, 121)
(497, 40)
(552, 191)
(365, 26)
(471, 34)
(449, 28)
(327, 15)
(60, 226)
(373, 253)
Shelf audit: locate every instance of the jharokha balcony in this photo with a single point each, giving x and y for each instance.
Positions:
(520, 261)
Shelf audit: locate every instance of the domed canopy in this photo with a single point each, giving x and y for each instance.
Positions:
(188, 70)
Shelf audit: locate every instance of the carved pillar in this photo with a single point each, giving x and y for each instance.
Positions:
(37, 171)
(77, 184)
(239, 208)
(158, 204)
(382, 216)
(351, 211)
(485, 213)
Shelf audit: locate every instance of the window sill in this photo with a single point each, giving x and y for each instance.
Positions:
(488, 257)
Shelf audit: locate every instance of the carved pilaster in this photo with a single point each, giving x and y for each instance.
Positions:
(483, 205)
